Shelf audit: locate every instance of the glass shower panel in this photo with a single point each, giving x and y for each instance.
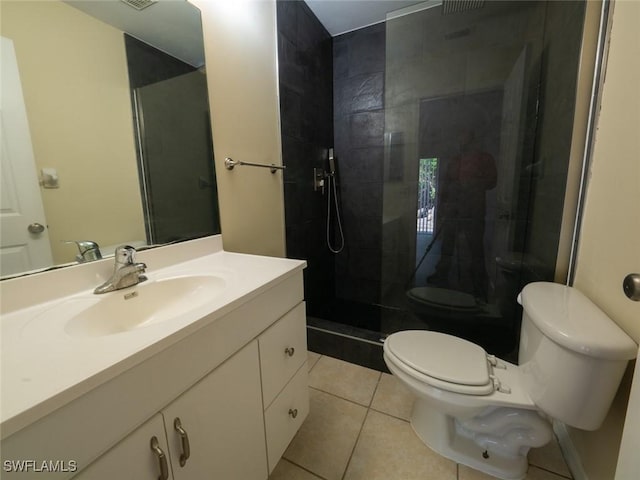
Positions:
(461, 92)
(180, 194)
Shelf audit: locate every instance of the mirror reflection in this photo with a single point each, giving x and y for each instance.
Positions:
(105, 130)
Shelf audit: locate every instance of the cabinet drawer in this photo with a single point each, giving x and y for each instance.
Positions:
(285, 415)
(283, 349)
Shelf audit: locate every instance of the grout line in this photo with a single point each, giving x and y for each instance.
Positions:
(316, 362)
(305, 469)
(390, 415)
(559, 475)
(355, 445)
(375, 389)
(338, 396)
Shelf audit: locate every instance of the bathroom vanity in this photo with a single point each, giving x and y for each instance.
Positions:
(205, 378)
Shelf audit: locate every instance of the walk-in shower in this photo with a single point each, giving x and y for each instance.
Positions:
(453, 131)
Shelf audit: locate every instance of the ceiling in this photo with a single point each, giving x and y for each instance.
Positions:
(342, 16)
(173, 26)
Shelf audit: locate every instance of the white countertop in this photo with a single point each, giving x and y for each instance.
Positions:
(43, 368)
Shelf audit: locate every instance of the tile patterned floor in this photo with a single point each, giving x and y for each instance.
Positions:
(358, 429)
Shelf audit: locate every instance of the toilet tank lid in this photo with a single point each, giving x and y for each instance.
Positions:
(571, 320)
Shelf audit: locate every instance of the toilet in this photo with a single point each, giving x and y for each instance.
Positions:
(449, 304)
(457, 307)
(487, 413)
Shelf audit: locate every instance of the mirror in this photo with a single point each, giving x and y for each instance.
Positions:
(116, 104)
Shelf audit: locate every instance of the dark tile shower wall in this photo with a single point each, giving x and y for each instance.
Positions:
(559, 67)
(363, 93)
(305, 65)
(359, 116)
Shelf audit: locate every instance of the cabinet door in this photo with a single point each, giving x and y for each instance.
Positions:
(223, 420)
(133, 458)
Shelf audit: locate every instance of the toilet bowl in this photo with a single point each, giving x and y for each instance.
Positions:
(487, 413)
(436, 298)
(456, 306)
(442, 303)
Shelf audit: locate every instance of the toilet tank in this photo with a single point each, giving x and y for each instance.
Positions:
(572, 355)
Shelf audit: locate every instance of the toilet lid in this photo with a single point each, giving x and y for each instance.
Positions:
(444, 357)
(444, 297)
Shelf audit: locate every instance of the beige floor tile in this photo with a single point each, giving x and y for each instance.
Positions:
(550, 458)
(534, 473)
(312, 358)
(393, 397)
(389, 449)
(326, 439)
(286, 470)
(344, 379)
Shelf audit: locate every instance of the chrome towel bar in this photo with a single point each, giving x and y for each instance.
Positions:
(229, 163)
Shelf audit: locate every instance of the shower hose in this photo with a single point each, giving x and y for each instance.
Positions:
(332, 188)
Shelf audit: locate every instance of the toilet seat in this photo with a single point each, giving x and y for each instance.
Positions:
(442, 361)
(442, 298)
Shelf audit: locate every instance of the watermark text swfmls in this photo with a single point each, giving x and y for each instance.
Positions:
(40, 466)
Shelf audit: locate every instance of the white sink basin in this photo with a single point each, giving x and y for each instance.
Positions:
(144, 304)
(140, 306)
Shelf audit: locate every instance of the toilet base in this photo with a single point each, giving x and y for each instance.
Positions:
(441, 433)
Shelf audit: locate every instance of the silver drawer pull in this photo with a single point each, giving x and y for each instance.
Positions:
(290, 351)
(293, 412)
(162, 459)
(184, 439)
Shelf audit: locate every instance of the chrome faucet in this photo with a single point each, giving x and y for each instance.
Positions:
(126, 272)
(88, 251)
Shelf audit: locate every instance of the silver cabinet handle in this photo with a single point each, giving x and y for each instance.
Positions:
(290, 351)
(293, 412)
(162, 459)
(631, 286)
(35, 228)
(184, 440)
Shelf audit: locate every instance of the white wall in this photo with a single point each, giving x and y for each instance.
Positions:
(73, 70)
(609, 245)
(240, 53)
(610, 234)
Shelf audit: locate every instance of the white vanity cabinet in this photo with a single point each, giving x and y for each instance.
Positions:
(237, 382)
(220, 419)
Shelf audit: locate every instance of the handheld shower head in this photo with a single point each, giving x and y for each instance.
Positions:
(332, 163)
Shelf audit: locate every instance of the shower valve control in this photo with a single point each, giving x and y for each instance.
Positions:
(318, 179)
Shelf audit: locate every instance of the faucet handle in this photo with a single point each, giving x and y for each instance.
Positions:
(125, 255)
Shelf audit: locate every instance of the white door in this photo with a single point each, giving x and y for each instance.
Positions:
(24, 241)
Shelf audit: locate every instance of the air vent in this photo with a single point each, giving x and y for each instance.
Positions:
(460, 6)
(139, 4)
